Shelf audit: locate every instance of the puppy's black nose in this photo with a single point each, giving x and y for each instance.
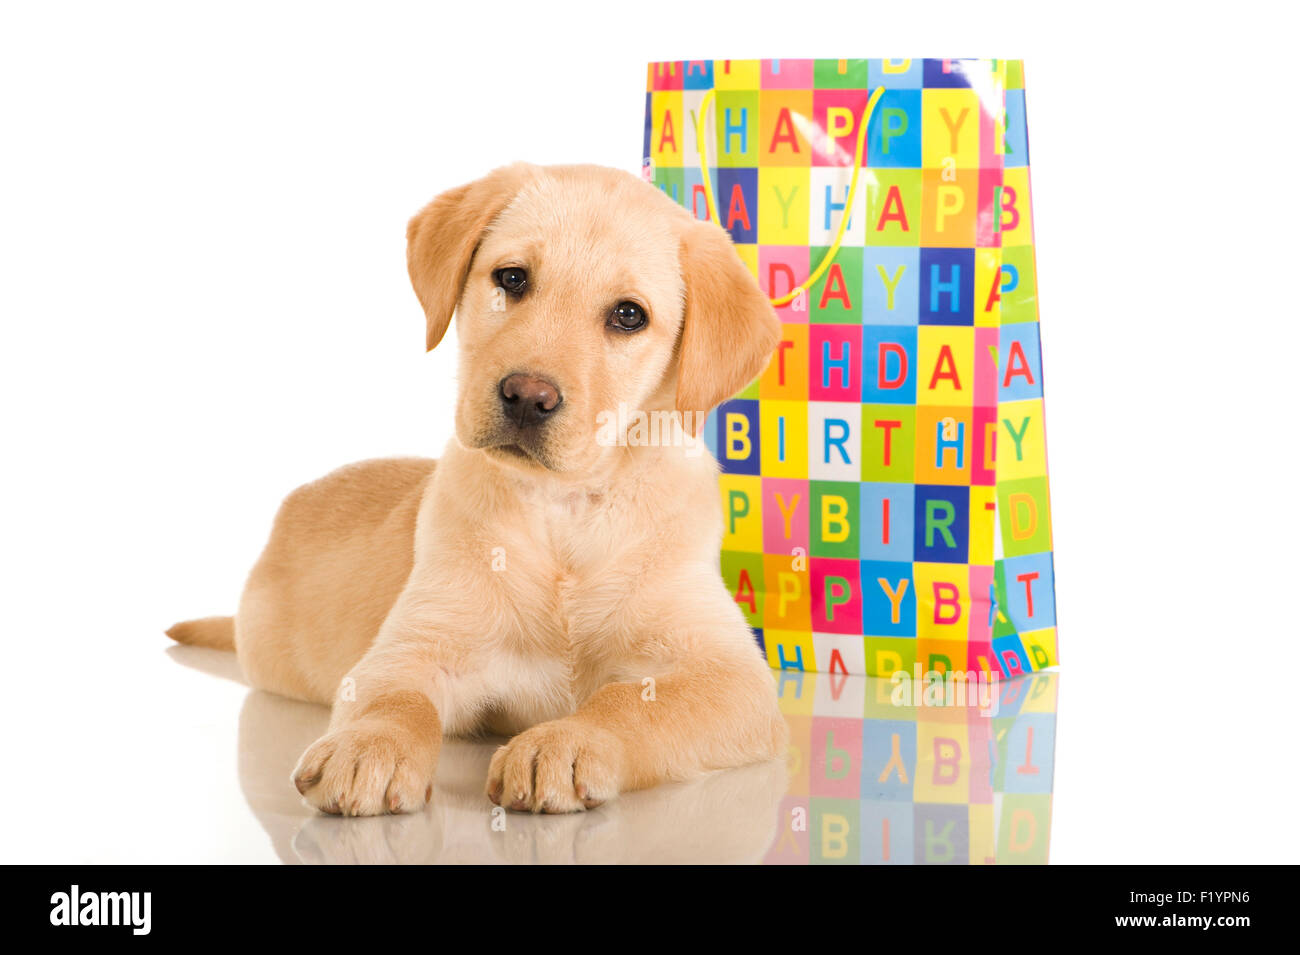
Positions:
(528, 401)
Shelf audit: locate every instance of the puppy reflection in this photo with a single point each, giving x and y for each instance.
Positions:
(726, 817)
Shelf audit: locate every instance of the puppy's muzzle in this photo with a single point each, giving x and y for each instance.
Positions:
(528, 401)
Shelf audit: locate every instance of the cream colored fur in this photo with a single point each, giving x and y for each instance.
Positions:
(567, 593)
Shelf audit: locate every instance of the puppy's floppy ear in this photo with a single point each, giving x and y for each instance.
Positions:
(442, 237)
(730, 329)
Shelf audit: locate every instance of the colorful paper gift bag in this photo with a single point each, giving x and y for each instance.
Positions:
(884, 482)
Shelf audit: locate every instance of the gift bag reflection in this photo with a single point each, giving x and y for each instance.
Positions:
(883, 773)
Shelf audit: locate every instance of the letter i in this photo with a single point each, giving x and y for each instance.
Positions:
(884, 521)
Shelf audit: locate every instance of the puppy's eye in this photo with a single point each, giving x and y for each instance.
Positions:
(627, 317)
(512, 279)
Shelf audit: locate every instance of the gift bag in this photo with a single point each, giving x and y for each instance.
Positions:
(889, 773)
(884, 482)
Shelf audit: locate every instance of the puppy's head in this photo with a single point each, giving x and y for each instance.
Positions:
(578, 291)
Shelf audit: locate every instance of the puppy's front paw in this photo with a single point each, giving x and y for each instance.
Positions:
(366, 770)
(560, 766)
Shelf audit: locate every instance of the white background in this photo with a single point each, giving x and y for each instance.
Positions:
(204, 304)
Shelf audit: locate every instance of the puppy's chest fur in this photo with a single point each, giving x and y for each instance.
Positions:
(584, 567)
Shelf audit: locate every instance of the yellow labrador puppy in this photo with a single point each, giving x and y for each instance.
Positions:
(554, 576)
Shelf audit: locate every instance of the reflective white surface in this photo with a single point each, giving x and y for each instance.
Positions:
(726, 817)
(157, 753)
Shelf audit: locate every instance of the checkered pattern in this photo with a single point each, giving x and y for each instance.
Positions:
(884, 482)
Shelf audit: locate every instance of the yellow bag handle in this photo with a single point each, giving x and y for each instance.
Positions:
(829, 257)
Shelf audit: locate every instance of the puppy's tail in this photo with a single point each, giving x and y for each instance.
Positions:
(215, 632)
